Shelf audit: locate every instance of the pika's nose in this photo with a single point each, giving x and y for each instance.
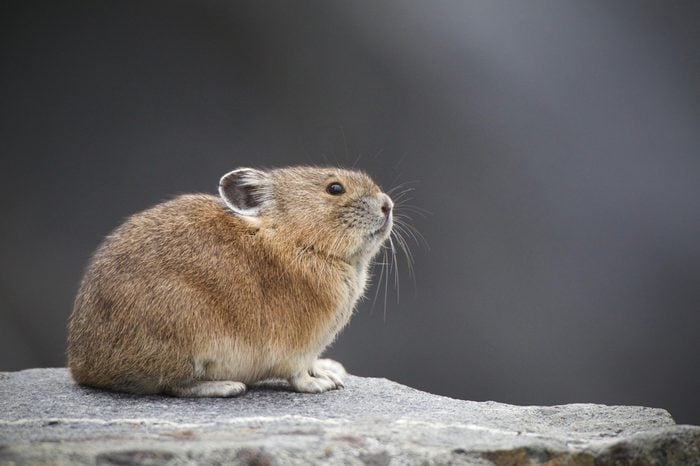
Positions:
(387, 205)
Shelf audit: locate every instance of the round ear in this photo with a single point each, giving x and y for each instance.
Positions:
(244, 190)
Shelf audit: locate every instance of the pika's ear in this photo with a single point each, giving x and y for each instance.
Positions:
(245, 190)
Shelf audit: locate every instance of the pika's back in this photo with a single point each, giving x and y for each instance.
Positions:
(150, 281)
(174, 222)
(190, 236)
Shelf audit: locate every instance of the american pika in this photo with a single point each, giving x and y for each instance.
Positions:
(203, 295)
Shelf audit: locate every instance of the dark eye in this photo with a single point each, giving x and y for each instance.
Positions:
(335, 189)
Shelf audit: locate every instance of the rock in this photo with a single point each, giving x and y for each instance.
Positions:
(46, 418)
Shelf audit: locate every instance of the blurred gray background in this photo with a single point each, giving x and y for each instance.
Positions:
(555, 143)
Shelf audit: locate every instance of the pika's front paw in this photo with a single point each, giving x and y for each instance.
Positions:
(330, 370)
(330, 365)
(316, 382)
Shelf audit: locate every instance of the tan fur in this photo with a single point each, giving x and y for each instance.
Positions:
(190, 291)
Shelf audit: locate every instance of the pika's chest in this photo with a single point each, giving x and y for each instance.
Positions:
(290, 333)
(353, 289)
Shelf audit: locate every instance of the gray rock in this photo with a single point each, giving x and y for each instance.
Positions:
(46, 418)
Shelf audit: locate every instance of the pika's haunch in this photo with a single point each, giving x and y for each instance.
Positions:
(203, 295)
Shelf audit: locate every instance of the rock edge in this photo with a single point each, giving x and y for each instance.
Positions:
(46, 418)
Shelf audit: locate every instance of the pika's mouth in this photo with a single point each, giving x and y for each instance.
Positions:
(382, 230)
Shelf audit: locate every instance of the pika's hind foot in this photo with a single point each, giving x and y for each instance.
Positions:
(214, 388)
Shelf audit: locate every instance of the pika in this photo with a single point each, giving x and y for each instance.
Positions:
(203, 295)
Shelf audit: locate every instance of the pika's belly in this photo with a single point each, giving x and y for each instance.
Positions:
(230, 358)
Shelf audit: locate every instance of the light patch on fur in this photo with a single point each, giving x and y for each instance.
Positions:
(199, 368)
(231, 359)
(252, 220)
(213, 388)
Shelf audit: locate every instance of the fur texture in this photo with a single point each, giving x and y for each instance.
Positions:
(250, 285)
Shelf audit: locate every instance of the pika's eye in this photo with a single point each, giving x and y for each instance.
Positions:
(335, 189)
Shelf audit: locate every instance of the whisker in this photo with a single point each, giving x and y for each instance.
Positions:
(401, 185)
(396, 269)
(404, 189)
(386, 284)
(415, 234)
(411, 208)
(403, 216)
(403, 227)
(410, 261)
(379, 282)
(401, 196)
(400, 231)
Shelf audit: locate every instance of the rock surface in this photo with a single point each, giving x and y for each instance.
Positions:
(46, 418)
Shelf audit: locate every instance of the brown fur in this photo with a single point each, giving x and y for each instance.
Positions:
(176, 289)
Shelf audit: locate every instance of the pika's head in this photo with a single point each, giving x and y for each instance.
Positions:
(337, 212)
